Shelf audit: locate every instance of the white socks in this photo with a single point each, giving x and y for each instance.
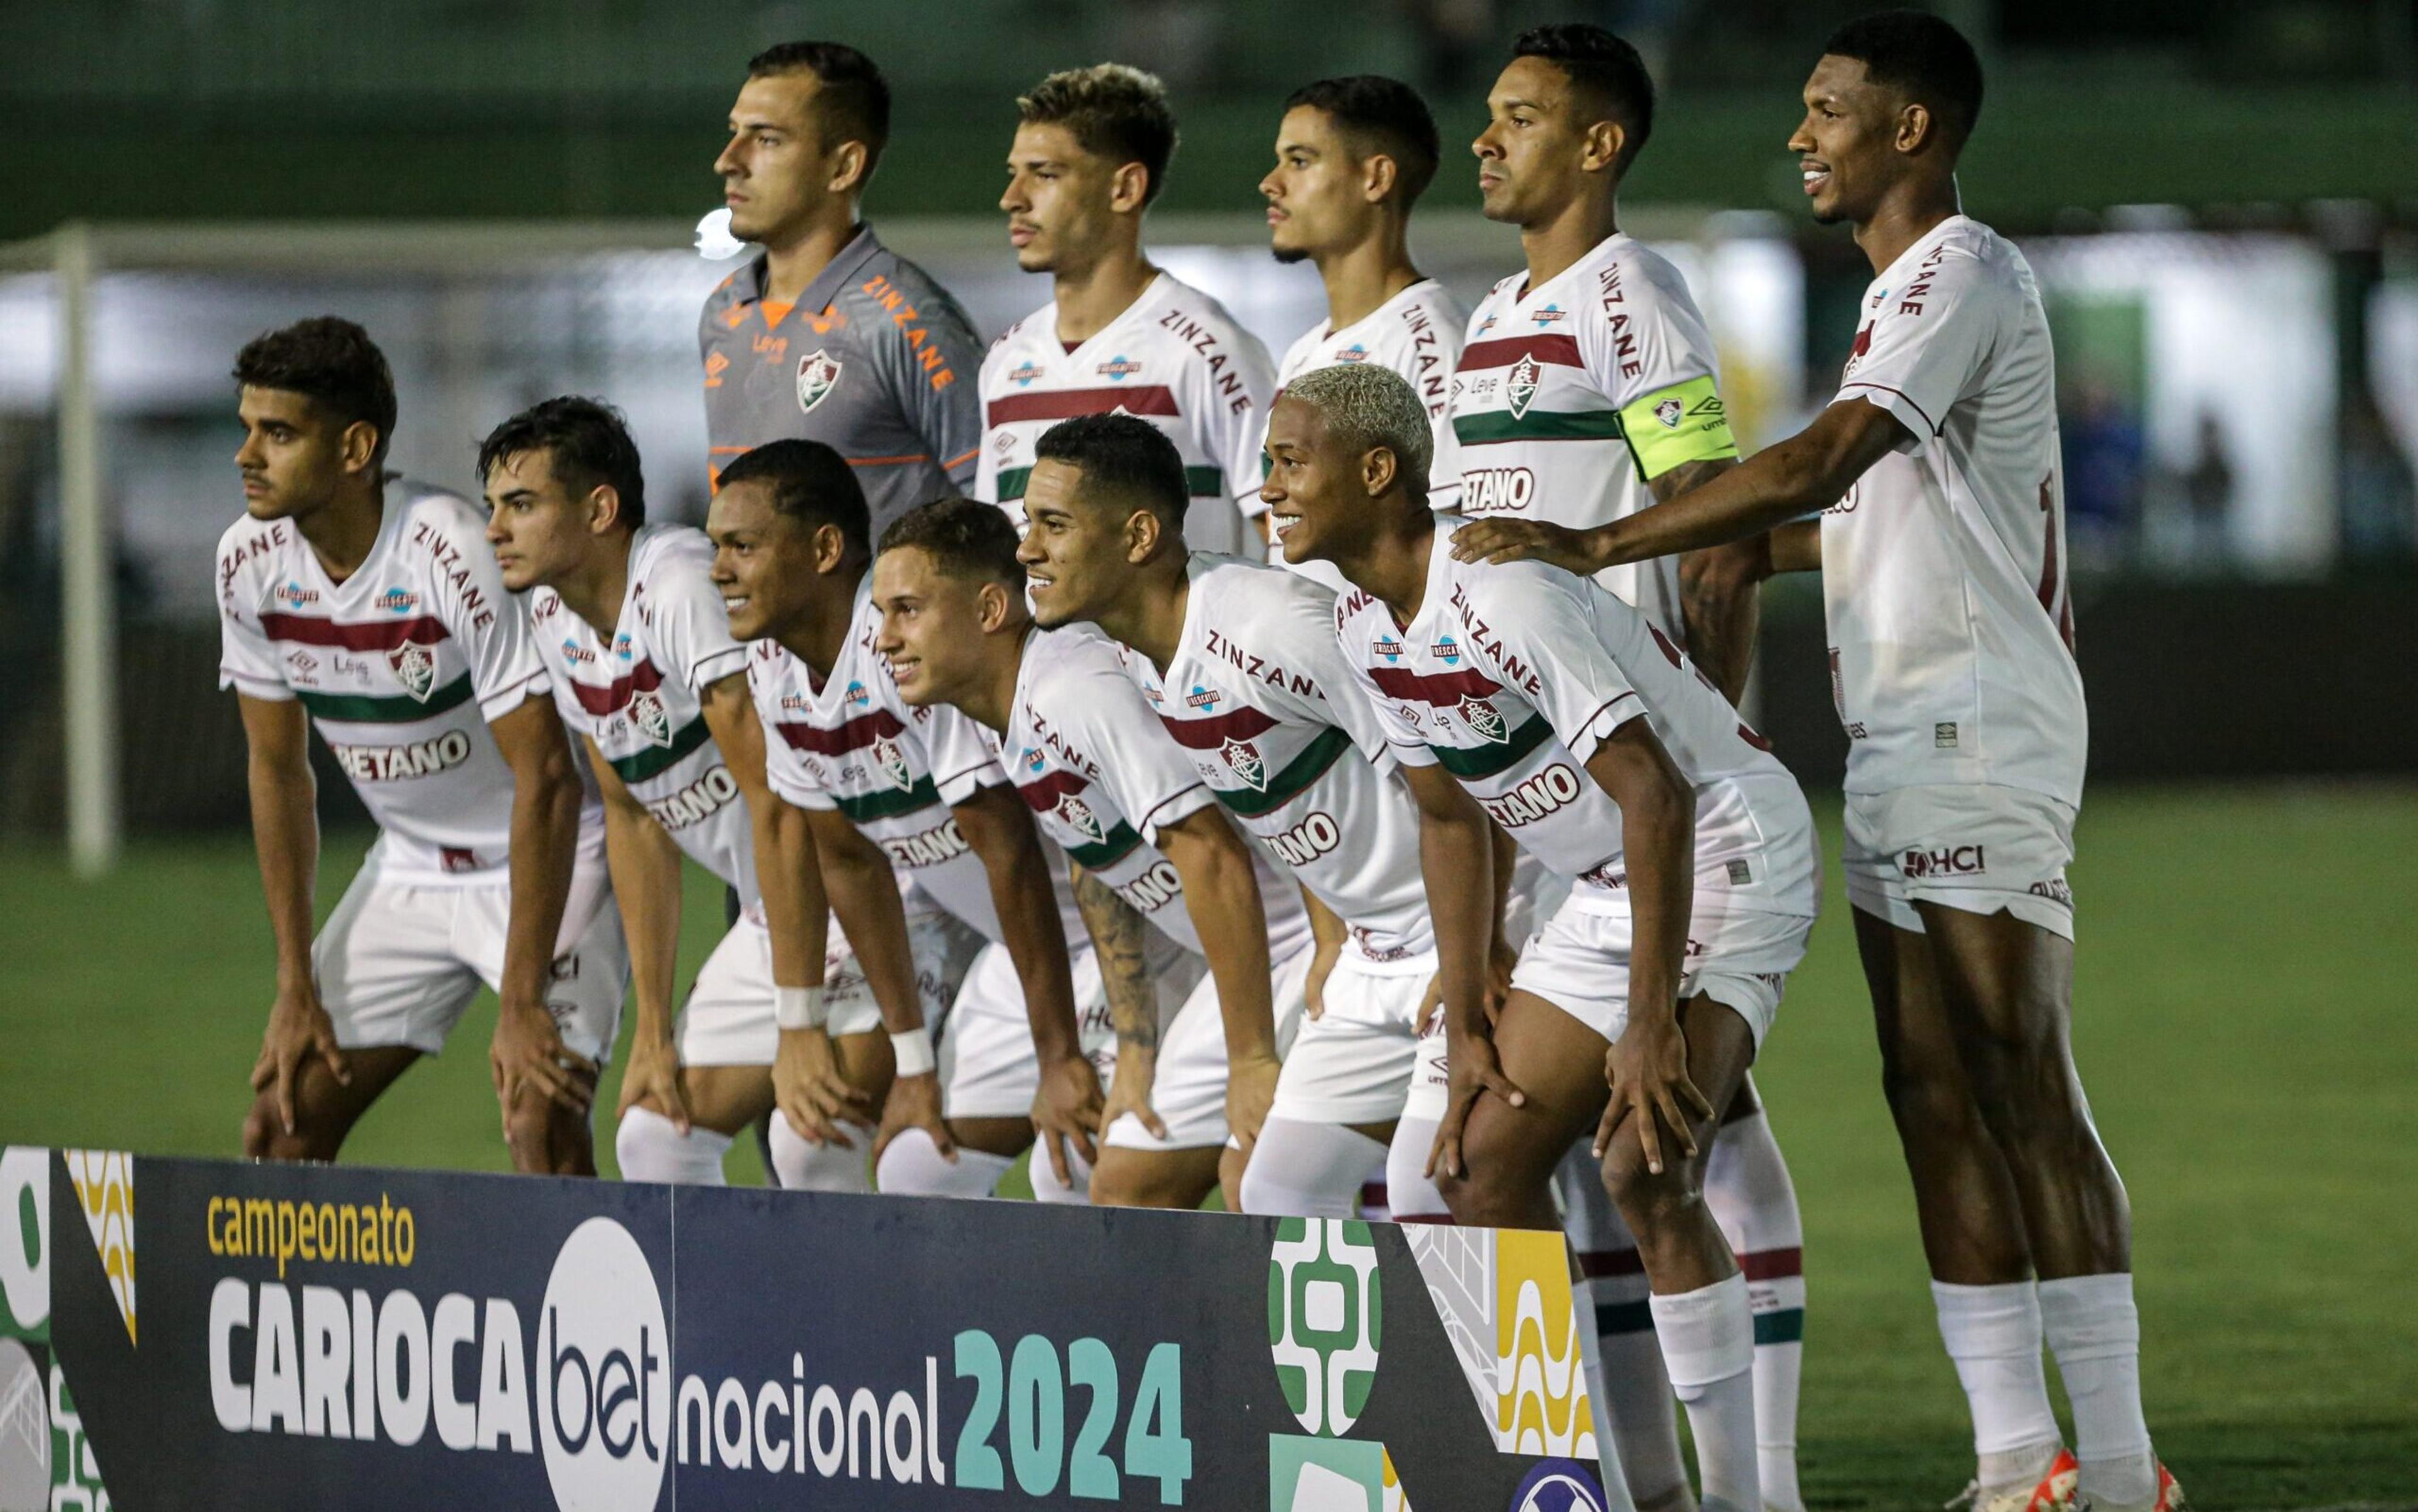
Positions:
(1631, 1388)
(1993, 1333)
(1411, 1195)
(1707, 1339)
(800, 1167)
(913, 1167)
(1308, 1170)
(1076, 1192)
(2096, 1333)
(651, 1149)
(1748, 1190)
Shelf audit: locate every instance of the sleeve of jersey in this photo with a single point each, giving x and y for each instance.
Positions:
(1916, 357)
(943, 391)
(1444, 466)
(506, 666)
(1310, 617)
(1671, 407)
(1240, 431)
(1144, 770)
(693, 630)
(246, 661)
(964, 758)
(984, 483)
(1541, 640)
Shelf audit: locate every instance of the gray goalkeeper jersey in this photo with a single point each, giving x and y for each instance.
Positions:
(875, 360)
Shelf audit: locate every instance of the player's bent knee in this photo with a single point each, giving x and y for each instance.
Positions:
(651, 1149)
(266, 1137)
(1074, 1191)
(912, 1166)
(1649, 1199)
(804, 1167)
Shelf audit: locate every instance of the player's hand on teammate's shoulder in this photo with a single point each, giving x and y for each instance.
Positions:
(810, 1091)
(528, 1055)
(299, 1032)
(1068, 1111)
(653, 1076)
(914, 1102)
(1495, 539)
(1647, 1069)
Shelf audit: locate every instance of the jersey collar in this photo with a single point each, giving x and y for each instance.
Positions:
(835, 275)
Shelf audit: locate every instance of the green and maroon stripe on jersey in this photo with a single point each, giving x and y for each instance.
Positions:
(1519, 423)
(385, 638)
(1061, 793)
(615, 697)
(398, 709)
(1231, 735)
(860, 733)
(1201, 482)
(640, 765)
(1459, 692)
(1066, 404)
(1503, 351)
(351, 636)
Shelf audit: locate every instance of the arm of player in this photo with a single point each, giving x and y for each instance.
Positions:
(1809, 471)
(1456, 859)
(1222, 895)
(1120, 945)
(1647, 1068)
(644, 862)
(1327, 932)
(1066, 1106)
(286, 834)
(527, 1049)
(1719, 585)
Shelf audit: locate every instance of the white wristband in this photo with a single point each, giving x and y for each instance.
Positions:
(914, 1052)
(798, 1007)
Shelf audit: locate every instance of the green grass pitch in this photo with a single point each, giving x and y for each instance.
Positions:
(2247, 1022)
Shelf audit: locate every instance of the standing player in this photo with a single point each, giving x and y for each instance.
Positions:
(1587, 389)
(827, 335)
(1124, 801)
(791, 557)
(1352, 157)
(364, 604)
(1582, 730)
(1941, 550)
(648, 673)
(1090, 154)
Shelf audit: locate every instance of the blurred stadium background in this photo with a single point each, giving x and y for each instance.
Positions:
(2218, 198)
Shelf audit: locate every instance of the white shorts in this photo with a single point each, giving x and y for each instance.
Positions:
(398, 961)
(1579, 962)
(1188, 1093)
(1980, 849)
(988, 1068)
(729, 1018)
(1355, 1063)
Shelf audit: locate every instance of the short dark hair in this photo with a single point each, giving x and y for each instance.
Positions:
(332, 362)
(1924, 58)
(1125, 456)
(853, 105)
(586, 441)
(963, 538)
(1603, 67)
(811, 484)
(1115, 111)
(1380, 115)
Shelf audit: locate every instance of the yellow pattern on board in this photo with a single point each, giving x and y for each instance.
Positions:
(104, 1188)
(1540, 1395)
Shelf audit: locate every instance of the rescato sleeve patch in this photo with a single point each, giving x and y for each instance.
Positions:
(1685, 422)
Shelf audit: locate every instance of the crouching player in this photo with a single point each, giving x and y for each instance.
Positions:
(1192, 1071)
(1587, 735)
(846, 756)
(645, 670)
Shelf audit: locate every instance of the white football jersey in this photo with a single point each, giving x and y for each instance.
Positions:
(636, 695)
(1417, 333)
(1173, 358)
(1307, 772)
(849, 742)
(1510, 677)
(1570, 396)
(1090, 759)
(400, 667)
(1944, 567)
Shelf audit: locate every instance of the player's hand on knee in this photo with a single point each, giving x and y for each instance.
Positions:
(1475, 1069)
(1137, 1074)
(528, 1055)
(1647, 1069)
(812, 1094)
(1068, 1111)
(914, 1102)
(653, 1078)
(299, 1031)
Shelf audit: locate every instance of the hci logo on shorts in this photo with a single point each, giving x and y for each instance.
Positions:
(1947, 861)
(604, 1373)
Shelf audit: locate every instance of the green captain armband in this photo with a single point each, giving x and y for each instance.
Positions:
(1685, 422)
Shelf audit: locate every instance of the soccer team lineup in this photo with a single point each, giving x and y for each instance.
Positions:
(1316, 783)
